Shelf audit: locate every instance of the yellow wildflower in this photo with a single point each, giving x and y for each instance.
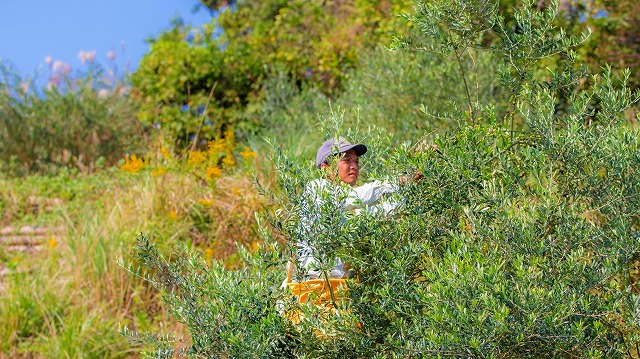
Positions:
(52, 243)
(206, 202)
(172, 214)
(133, 164)
(209, 252)
(196, 157)
(224, 144)
(164, 152)
(235, 191)
(228, 161)
(247, 153)
(216, 146)
(213, 172)
(158, 172)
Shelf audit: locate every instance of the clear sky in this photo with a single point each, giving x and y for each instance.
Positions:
(31, 30)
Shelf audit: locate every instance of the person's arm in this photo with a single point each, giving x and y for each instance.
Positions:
(368, 194)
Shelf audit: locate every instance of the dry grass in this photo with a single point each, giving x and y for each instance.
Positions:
(74, 296)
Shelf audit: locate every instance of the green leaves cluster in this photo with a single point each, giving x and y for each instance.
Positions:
(74, 125)
(507, 248)
(233, 311)
(521, 240)
(176, 83)
(217, 71)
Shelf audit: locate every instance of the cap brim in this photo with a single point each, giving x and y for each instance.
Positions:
(359, 148)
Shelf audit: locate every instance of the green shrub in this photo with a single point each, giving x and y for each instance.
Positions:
(520, 241)
(181, 82)
(505, 249)
(410, 93)
(197, 81)
(79, 123)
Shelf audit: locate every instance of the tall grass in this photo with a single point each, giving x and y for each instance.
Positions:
(69, 299)
(83, 122)
(74, 156)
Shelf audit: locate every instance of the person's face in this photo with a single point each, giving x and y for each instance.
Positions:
(348, 167)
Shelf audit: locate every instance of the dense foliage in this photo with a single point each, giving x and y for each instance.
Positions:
(190, 72)
(520, 240)
(80, 123)
(507, 248)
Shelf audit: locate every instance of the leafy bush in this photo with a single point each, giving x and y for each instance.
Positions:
(196, 73)
(506, 248)
(420, 90)
(521, 240)
(72, 125)
(182, 81)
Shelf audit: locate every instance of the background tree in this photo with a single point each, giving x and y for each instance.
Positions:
(613, 24)
(616, 38)
(312, 41)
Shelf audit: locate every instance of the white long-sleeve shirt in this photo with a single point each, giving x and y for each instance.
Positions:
(323, 196)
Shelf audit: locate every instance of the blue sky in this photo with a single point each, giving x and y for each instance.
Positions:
(31, 30)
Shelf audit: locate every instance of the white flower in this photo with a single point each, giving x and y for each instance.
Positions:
(48, 60)
(111, 55)
(103, 93)
(61, 67)
(85, 56)
(90, 55)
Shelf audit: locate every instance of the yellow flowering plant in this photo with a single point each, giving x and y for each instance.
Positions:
(219, 156)
(222, 198)
(133, 164)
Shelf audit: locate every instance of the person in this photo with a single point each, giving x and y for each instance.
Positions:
(337, 194)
